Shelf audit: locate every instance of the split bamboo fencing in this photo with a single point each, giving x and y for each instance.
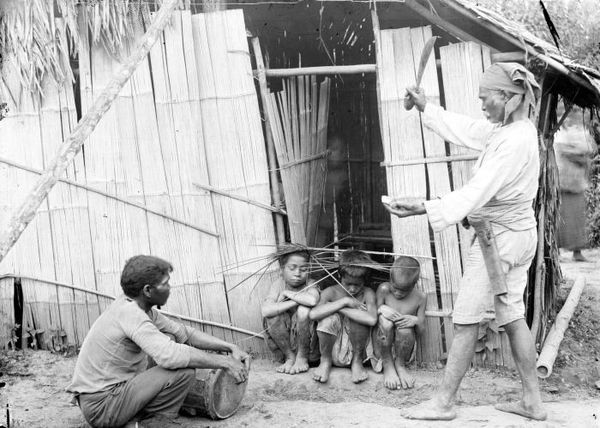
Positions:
(298, 118)
(187, 118)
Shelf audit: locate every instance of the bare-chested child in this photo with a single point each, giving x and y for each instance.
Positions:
(346, 312)
(286, 308)
(401, 317)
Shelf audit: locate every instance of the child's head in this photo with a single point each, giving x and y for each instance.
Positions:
(354, 270)
(404, 274)
(294, 266)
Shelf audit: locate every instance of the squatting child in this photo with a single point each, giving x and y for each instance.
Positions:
(285, 310)
(346, 312)
(401, 316)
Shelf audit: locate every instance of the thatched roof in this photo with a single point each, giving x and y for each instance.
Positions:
(522, 35)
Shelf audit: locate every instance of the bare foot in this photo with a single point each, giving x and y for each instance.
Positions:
(531, 412)
(300, 366)
(430, 410)
(407, 380)
(390, 377)
(359, 373)
(321, 374)
(287, 366)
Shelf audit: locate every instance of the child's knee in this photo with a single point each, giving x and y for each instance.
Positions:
(405, 334)
(330, 325)
(384, 324)
(277, 321)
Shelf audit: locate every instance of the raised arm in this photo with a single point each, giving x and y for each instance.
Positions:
(453, 127)
(361, 316)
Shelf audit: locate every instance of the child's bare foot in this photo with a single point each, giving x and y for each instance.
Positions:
(390, 377)
(300, 366)
(321, 374)
(359, 373)
(287, 366)
(519, 408)
(407, 380)
(430, 410)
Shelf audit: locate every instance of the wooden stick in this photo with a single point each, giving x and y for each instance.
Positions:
(452, 158)
(271, 156)
(22, 215)
(329, 69)
(555, 336)
(240, 198)
(111, 196)
(306, 159)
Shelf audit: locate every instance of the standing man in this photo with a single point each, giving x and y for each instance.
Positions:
(502, 190)
(111, 383)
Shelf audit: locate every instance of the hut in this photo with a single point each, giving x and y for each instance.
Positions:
(248, 124)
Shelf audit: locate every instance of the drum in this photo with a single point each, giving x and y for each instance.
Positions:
(214, 394)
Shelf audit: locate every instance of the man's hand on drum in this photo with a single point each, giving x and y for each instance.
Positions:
(405, 206)
(237, 369)
(242, 356)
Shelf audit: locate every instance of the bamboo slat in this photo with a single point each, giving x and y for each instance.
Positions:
(462, 67)
(20, 140)
(176, 92)
(301, 155)
(112, 166)
(236, 159)
(7, 315)
(446, 242)
(402, 139)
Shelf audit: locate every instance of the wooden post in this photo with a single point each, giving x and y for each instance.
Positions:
(23, 214)
(547, 104)
(271, 157)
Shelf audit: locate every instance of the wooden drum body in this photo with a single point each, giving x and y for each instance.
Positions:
(214, 394)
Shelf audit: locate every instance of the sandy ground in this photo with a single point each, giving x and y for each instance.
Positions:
(35, 384)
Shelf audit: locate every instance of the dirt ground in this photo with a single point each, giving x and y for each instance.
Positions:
(35, 383)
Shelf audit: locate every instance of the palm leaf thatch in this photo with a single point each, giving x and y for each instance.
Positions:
(29, 35)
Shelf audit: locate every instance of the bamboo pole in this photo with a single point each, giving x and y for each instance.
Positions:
(111, 196)
(271, 156)
(240, 198)
(327, 69)
(23, 214)
(435, 159)
(557, 332)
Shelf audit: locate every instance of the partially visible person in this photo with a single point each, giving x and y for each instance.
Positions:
(111, 382)
(574, 151)
(345, 314)
(401, 311)
(286, 307)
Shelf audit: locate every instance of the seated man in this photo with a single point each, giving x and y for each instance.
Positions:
(285, 310)
(346, 313)
(401, 310)
(111, 383)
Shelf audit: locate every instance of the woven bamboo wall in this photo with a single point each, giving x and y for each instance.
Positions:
(189, 115)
